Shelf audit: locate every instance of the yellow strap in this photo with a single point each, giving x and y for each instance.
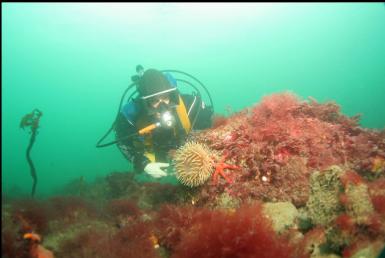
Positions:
(185, 121)
(183, 116)
(150, 156)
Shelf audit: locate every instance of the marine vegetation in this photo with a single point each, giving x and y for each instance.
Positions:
(31, 120)
(280, 141)
(284, 178)
(192, 232)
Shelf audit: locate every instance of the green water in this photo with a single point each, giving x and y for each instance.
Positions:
(73, 62)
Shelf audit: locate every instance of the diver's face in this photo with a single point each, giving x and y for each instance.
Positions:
(157, 101)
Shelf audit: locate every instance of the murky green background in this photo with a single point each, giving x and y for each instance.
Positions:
(73, 62)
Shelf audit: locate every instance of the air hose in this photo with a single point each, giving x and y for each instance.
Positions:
(98, 144)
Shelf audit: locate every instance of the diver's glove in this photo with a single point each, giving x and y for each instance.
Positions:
(153, 169)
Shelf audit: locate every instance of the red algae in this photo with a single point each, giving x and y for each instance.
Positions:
(264, 140)
(218, 121)
(379, 203)
(126, 207)
(351, 177)
(312, 239)
(345, 222)
(32, 214)
(171, 221)
(242, 233)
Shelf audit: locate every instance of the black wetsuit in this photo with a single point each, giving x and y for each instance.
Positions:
(161, 140)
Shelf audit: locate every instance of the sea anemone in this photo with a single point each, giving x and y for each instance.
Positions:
(193, 164)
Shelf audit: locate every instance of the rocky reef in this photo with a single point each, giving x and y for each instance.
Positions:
(284, 178)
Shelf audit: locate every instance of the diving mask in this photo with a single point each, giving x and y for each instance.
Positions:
(159, 101)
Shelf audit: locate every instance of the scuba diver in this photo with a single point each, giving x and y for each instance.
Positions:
(157, 121)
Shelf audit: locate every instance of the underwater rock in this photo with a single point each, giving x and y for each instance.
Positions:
(226, 201)
(97, 190)
(282, 214)
(11, 244)
(371, 250)
(77, 186)
(378, 165)
(281, 140)
(377, 193)
(121, 184)
(311, 243)
(151, 195)
(280, 145)
(304, 222)
(325, 256)
(359, 204)
(61, 234)
(323, 204)
(123, 211)
(337, 239)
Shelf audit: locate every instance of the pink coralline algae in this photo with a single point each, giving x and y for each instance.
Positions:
(277, 144)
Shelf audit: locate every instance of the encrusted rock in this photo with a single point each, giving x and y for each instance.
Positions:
(282, 214)
(323, 204)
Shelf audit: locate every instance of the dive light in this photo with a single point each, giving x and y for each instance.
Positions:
(166, 120)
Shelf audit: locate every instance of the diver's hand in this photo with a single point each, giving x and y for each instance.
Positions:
(153, 169)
